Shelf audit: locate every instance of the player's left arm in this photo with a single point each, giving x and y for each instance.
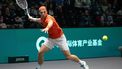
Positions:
(49, 25)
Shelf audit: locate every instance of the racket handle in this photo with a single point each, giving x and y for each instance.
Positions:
(28, 13)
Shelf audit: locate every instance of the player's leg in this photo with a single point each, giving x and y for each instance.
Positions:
(41, 52)
(43, 49)
(47, 45)
(61, 42)
(72, 57)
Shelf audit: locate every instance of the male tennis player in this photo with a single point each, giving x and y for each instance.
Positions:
(56, 37)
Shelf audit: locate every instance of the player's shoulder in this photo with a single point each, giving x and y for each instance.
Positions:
(50, 17)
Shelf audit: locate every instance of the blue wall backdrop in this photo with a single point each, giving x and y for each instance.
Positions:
(84, 42)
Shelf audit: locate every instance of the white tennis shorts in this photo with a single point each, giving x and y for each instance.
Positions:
(61, 42)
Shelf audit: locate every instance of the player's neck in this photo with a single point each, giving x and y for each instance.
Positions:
(44, 17)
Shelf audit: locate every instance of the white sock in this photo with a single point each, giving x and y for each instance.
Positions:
(38, 66)
(82, 62)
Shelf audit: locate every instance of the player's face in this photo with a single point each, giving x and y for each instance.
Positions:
(43, 12)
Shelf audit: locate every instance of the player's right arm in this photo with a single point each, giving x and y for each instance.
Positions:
(34, 19)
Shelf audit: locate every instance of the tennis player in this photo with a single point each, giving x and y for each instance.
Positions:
(56, 37)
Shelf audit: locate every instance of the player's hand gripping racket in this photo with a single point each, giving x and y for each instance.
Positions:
(24, 5)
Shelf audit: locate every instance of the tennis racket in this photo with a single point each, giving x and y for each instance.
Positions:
(23, 5)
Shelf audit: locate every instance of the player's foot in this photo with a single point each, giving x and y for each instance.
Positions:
(84, 65)
(37, 68)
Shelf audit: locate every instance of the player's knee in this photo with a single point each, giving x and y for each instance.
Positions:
(41, 53)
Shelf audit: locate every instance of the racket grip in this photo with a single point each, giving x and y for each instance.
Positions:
(28, 13)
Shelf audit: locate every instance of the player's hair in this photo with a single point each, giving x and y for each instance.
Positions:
(43, 4)
(44, 7)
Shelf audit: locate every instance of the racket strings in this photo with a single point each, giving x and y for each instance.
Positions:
(22, 4)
